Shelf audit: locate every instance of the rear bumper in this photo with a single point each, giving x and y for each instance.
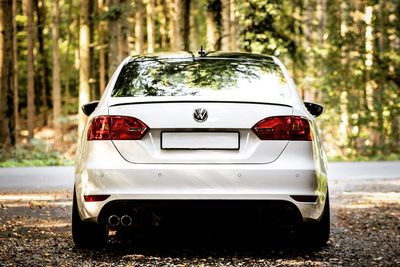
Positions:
(290, 175)
(200, 212)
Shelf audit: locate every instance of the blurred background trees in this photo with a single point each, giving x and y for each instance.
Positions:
(344, 54)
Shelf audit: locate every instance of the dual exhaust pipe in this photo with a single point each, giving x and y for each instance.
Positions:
(115, 220)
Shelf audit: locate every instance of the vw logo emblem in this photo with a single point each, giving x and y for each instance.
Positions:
(200, 115)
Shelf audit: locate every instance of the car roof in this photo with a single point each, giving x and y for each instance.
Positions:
(208, 55)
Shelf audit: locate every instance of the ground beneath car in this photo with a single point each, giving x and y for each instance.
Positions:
(35, 229)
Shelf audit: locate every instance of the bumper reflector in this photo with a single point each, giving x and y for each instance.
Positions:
(304, 198)
(95, 198)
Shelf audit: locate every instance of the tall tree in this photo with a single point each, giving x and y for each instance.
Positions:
(93, 92)
(151, 31)
(102, 55)
(56, 75)
(15, 73)
(213, 21)
(380, 90)
(30, 71)
(114, 13)
(44, 70)
(163, 22)
(182, 24)
(7, 128)
(84, 59)
(172, 21)
(139, 27)
(226, 25)
(67, 71)
(195, 26)
(234, 27)
(124, 29)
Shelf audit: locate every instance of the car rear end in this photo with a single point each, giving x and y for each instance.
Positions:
(213, 140)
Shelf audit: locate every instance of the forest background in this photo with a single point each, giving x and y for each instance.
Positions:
(57, 55)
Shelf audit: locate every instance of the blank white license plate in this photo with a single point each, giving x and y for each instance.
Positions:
(200, 140)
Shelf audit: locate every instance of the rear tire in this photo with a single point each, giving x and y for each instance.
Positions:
(86, 234)
(316, 233)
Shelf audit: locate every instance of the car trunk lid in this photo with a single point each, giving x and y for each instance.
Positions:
(176, 136)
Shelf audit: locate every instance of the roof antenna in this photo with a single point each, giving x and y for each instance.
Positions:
(202, 53)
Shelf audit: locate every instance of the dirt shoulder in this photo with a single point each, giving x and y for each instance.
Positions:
(35, 230)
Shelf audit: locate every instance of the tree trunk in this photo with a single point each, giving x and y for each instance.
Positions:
(195, 27)
(344, 95)
(124, 30)
(234, 27)
(30, 72)
(7, 129)
(178, 42)
(92, 64)
(226, 25)
(15, 73)
(211, 30)
(67, 71)
(172, 20)
(379, 98)
(182, 25)
(150, 26)
(185, 30)
(102, 55)
(56, 75)
(84, 68)
(369, 47)
(213, 25)
(113, 30)
(44, 70)
(163, 23)
(139, 25)
(307, 44)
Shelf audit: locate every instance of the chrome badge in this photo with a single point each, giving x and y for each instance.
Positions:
(200, 115)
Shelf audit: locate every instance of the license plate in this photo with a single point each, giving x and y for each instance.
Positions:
(200, 140)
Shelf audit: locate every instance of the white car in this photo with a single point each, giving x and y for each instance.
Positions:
(179, 130)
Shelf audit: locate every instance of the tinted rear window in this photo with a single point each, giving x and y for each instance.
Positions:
(204, 77)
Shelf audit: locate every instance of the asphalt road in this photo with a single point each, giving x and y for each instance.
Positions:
(61, 178)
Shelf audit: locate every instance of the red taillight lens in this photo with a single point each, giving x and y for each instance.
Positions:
(283, 128)
(300, 129)
(127, 128)
(95, 198)
(116, 128)
(99, 129)
(273, 128)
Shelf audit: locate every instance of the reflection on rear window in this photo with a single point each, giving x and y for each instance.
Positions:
(201, 77)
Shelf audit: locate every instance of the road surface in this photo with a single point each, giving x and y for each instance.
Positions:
(35, 226)
(60, 178)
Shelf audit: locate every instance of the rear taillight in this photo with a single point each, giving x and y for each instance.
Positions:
(95, 198)
(283, 128)
(99, 129)
(116, 128)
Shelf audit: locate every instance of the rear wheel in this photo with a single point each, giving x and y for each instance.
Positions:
(317, 233)
(86, 234)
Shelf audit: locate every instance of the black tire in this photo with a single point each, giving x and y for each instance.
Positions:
(86, 234)
(316, 233)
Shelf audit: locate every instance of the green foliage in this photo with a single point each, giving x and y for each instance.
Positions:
(114, 13)
(36, 153)
(268, 27)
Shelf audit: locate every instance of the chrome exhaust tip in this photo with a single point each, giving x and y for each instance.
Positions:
(113, 220)
(126, 220)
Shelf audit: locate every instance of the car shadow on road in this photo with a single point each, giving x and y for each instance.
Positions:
(224, 241)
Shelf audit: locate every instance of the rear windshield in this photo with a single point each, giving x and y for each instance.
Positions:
(201, 77)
